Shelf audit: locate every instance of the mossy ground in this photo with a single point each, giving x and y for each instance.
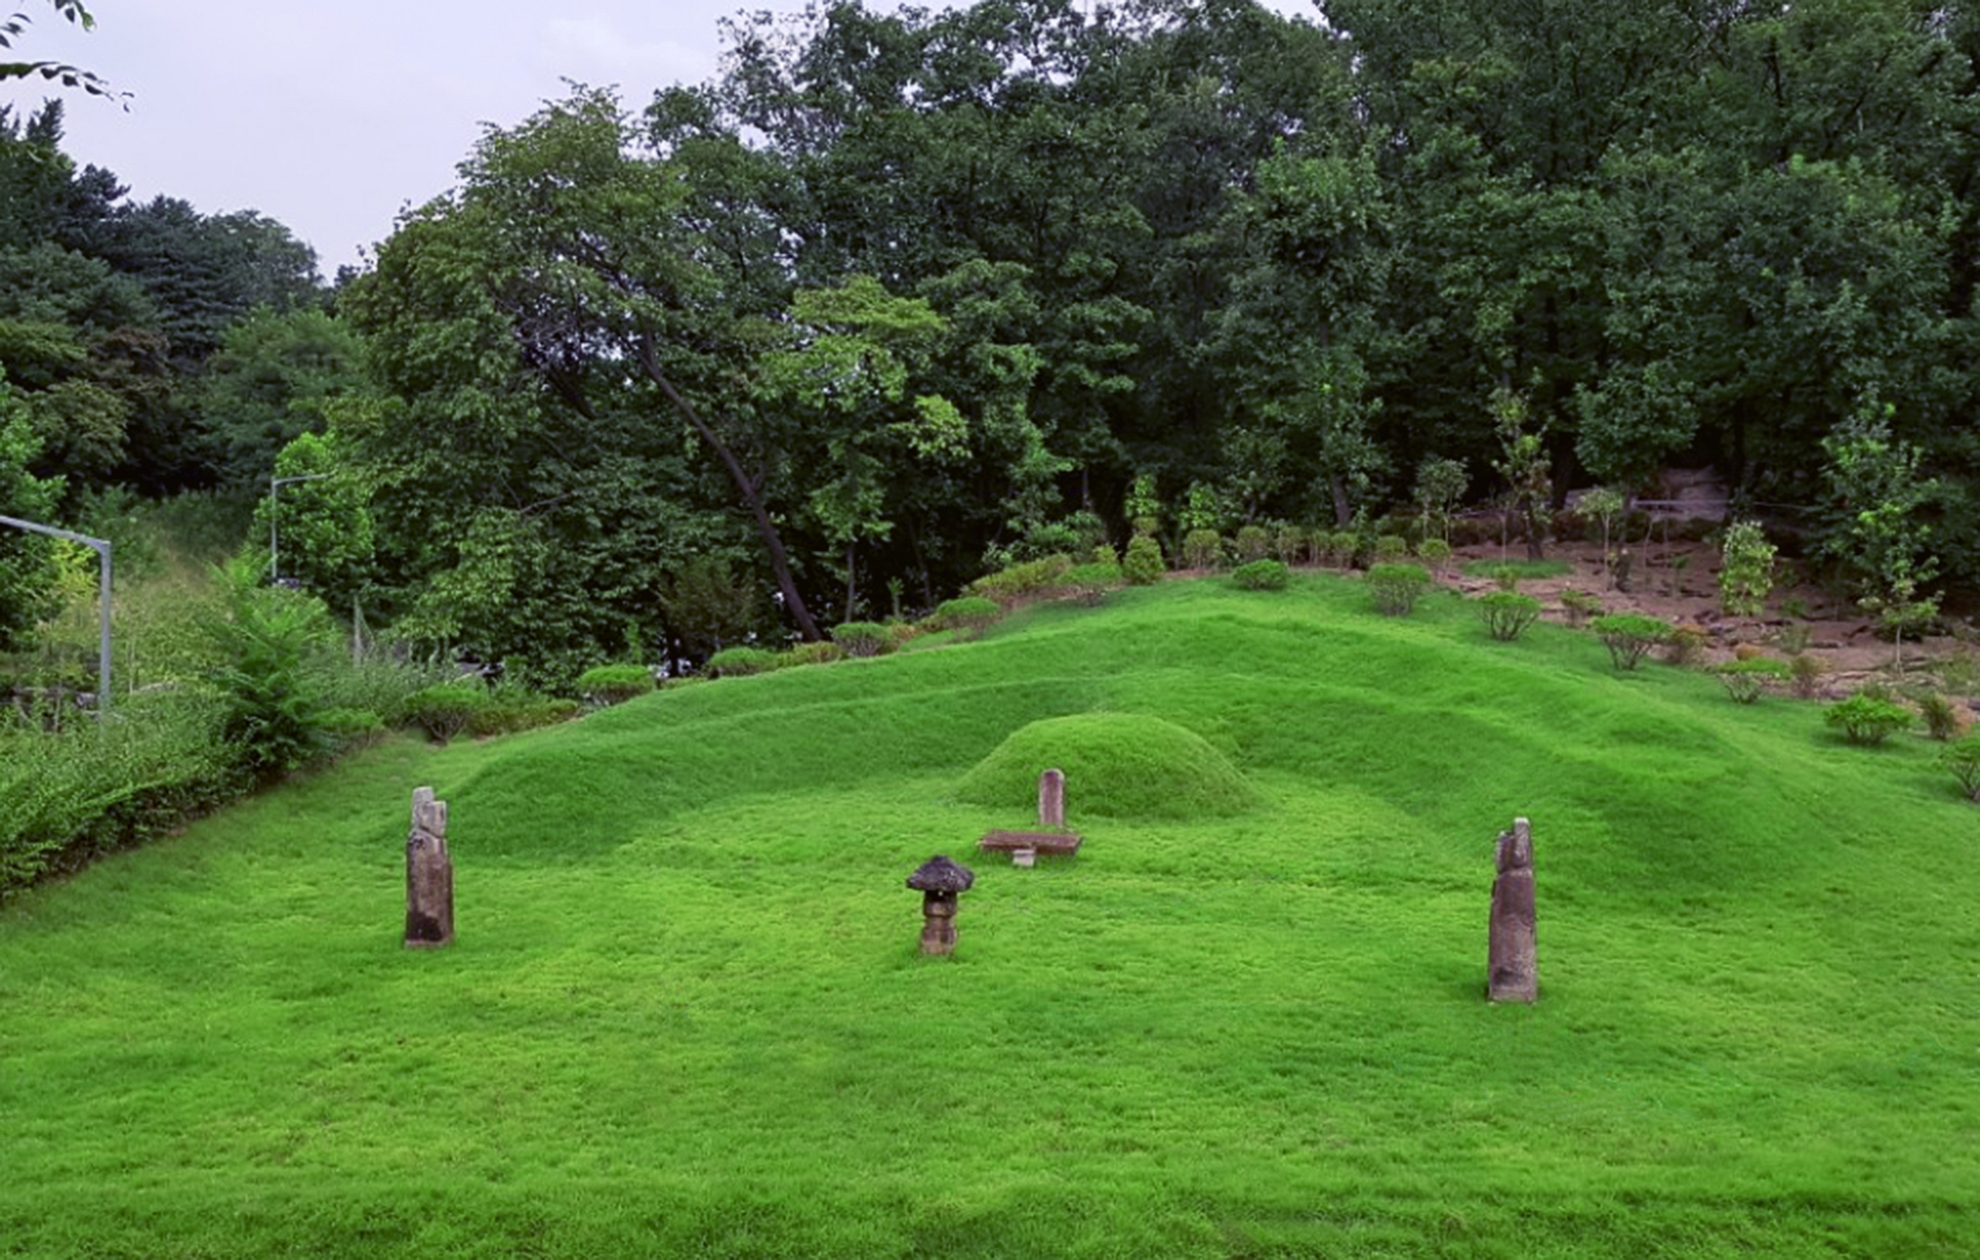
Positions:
(1124, 765)
(685, 1015)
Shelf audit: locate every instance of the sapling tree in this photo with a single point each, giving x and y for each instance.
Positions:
(1746, 569)
(1523, 463)
(1440, 483)
(1875, 529)
(1605, 505)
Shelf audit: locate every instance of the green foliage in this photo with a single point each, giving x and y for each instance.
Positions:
(1117, 765)
(1391, 549)
(1089, 583)
(1202, 549)
(1524, 463)
(1746, 569)
(819, 653)
(1806, 671)
(1746, 680)
(1434, 552)
(614, 684)
(1944, 721)
(1254, 542)
(1395, 588)
(1023, 581)
(972, 613)
(1343, 547)
(1440, 485)
(742, 661)
(1962, 760)
(1142, 565)
(445, 710)
(1202, 511)
(1866, 719)
(861, 638)
(1519, 570)
(1685, 645)
(1290, 543)
(706, 604)
(1507, 613)
(1142, 505)
(510, 709)
(264, 639)
(272, 380)
(28, 572)
(351, 728)
(1262, 575)
(1630, 637)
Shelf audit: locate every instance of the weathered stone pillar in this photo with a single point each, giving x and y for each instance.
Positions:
(1052, 800)
(939, 880)
(1512, 967)
(429, 875)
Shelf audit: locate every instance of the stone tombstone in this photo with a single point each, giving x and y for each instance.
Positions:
(1512, 976)
(429, 875)
(1052, 800)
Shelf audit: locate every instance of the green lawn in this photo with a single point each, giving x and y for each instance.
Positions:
(686, 1016)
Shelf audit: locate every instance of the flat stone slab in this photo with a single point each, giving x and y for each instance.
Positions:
(1048, 843)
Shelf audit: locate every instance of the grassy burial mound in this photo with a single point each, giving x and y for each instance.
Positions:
(1120, 765)
(685, 1013)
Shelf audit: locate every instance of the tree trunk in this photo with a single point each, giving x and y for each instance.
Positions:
(780, 563)
(1343, 516)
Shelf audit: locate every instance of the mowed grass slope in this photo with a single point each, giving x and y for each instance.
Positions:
(685, 1014)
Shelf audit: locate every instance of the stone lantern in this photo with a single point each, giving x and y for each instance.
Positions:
(939, 880)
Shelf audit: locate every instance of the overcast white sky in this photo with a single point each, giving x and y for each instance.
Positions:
(331, 117)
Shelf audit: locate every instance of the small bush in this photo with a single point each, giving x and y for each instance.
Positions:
(861, 638)
(972, 613)
(1261, 575)
(1254, 542)
(1434, 552)
(1506, 577)
(1806, 672)
(824, 653)
(351, 728)
(741, 662)
(1507, 613)
(1202, 549)
(614, 684)
(1865, 719)
(1630, 636)
(1579, 606)
(1685, 644)
(1143, 565)
(1022, 581)
(445, 711)
(1746, 680)
(1396, 587)
(1291, 544)
(1748, 651)
(1535, 569)
(1943, 720)
(508, 711)
(899, 634)
(1963, 760)
(1089, 583)
(1746, 569)
(1345, 546)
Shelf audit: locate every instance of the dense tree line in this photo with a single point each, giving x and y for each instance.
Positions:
(898, 297)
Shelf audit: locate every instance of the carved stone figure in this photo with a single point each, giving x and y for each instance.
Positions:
(1512, 976)
(429, 875)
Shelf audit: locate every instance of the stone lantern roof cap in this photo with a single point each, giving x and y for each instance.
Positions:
(939, 874)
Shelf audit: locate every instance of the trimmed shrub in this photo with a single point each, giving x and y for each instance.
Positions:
(1579, 606)
(824, 653)
(1865, 719)
(1291, 544)
(614, 684)
(1806, 672)
(1022, 581)
(519, 710)
(1686, 644)
(1391, 549)
(1262, 575)
(1506, 577)
(1630, 636)
(1089, 583)
(972, 613)
(1507, 613)
(351, 728)
(1344, 545)
(1943, 720)
(1434, 552)
(899, 633)
(1963, 760)
(1202, 549)
(1746, 680)
(1143, 564)
(445, 711)
(1254, 542)
(740, 662)
(861, 638)
(1396, 587)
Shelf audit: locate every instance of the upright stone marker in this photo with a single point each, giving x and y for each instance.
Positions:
(1512, 973)
(429, 875)
(1052, 800)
